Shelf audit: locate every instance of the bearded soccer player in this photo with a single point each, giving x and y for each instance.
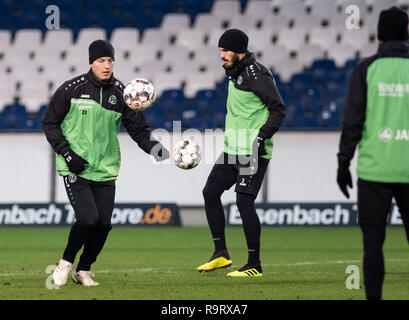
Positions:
(255, 111)
(81, 123)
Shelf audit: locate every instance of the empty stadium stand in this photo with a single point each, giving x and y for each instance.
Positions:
(305, 43)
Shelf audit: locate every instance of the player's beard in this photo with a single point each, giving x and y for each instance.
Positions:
(234, 60)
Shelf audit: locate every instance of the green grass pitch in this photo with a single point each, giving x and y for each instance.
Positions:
(160, 263)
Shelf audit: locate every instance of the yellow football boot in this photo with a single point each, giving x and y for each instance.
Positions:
(219, 260)
(247, 271)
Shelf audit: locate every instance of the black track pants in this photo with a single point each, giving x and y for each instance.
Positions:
(93, 203)
(374, 205)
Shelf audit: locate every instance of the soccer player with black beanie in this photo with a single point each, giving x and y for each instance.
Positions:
(255, 111)
(376, 116)
(81, 124)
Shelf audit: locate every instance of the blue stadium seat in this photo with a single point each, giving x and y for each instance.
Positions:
(128, 18)
(40, 115)
(286, 93)
(207, 95)
(15, 116)
(5, 9)
(169, 111)
(307, 102)
(208, 124)
(338, 104)
(330, 120)
(288, 116)
(155, 118)
(301, 81)
(208, 101)
(213, 106)
(170, 102)
(94, 18)
(34, 123)
(8, 22)
(219, 119)
(331, 91)
(73, 22)
(291, 109)
(322, 69)
(144, 15)
(351, 64)
(173, 96)
(305, 120)
(189, 112)
(193, 7)
(311, 121)
(277, 79)
(3, 124)
(349, 67)
(222, 88)
(324, 64)
(190, 116)
(193, 123)
(213, 114)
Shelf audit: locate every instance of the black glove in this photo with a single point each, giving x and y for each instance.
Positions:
(159, 152)
(344, 178)
(258, 145)
(75, 163)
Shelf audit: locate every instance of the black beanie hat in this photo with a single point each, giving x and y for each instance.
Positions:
(234, 40)
(393, 25)
(100, 48)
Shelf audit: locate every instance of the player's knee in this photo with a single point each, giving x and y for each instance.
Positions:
(244, 200)
(207, 192)
(211, 192)
(89, 222)
(373, 238)
(105, 225)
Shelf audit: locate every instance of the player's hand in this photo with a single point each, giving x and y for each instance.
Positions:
(344, 178)
(75, 163)
(259, 145)
(160, 153)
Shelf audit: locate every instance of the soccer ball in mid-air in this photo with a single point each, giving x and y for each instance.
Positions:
(186, 154)
(139, 94)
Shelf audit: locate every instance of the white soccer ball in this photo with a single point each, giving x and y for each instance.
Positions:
(139, 94)
(186, 154)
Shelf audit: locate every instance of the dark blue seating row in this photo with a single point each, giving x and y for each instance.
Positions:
(15, 118)
(108, 14)
(314, 99)
(193, 114)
